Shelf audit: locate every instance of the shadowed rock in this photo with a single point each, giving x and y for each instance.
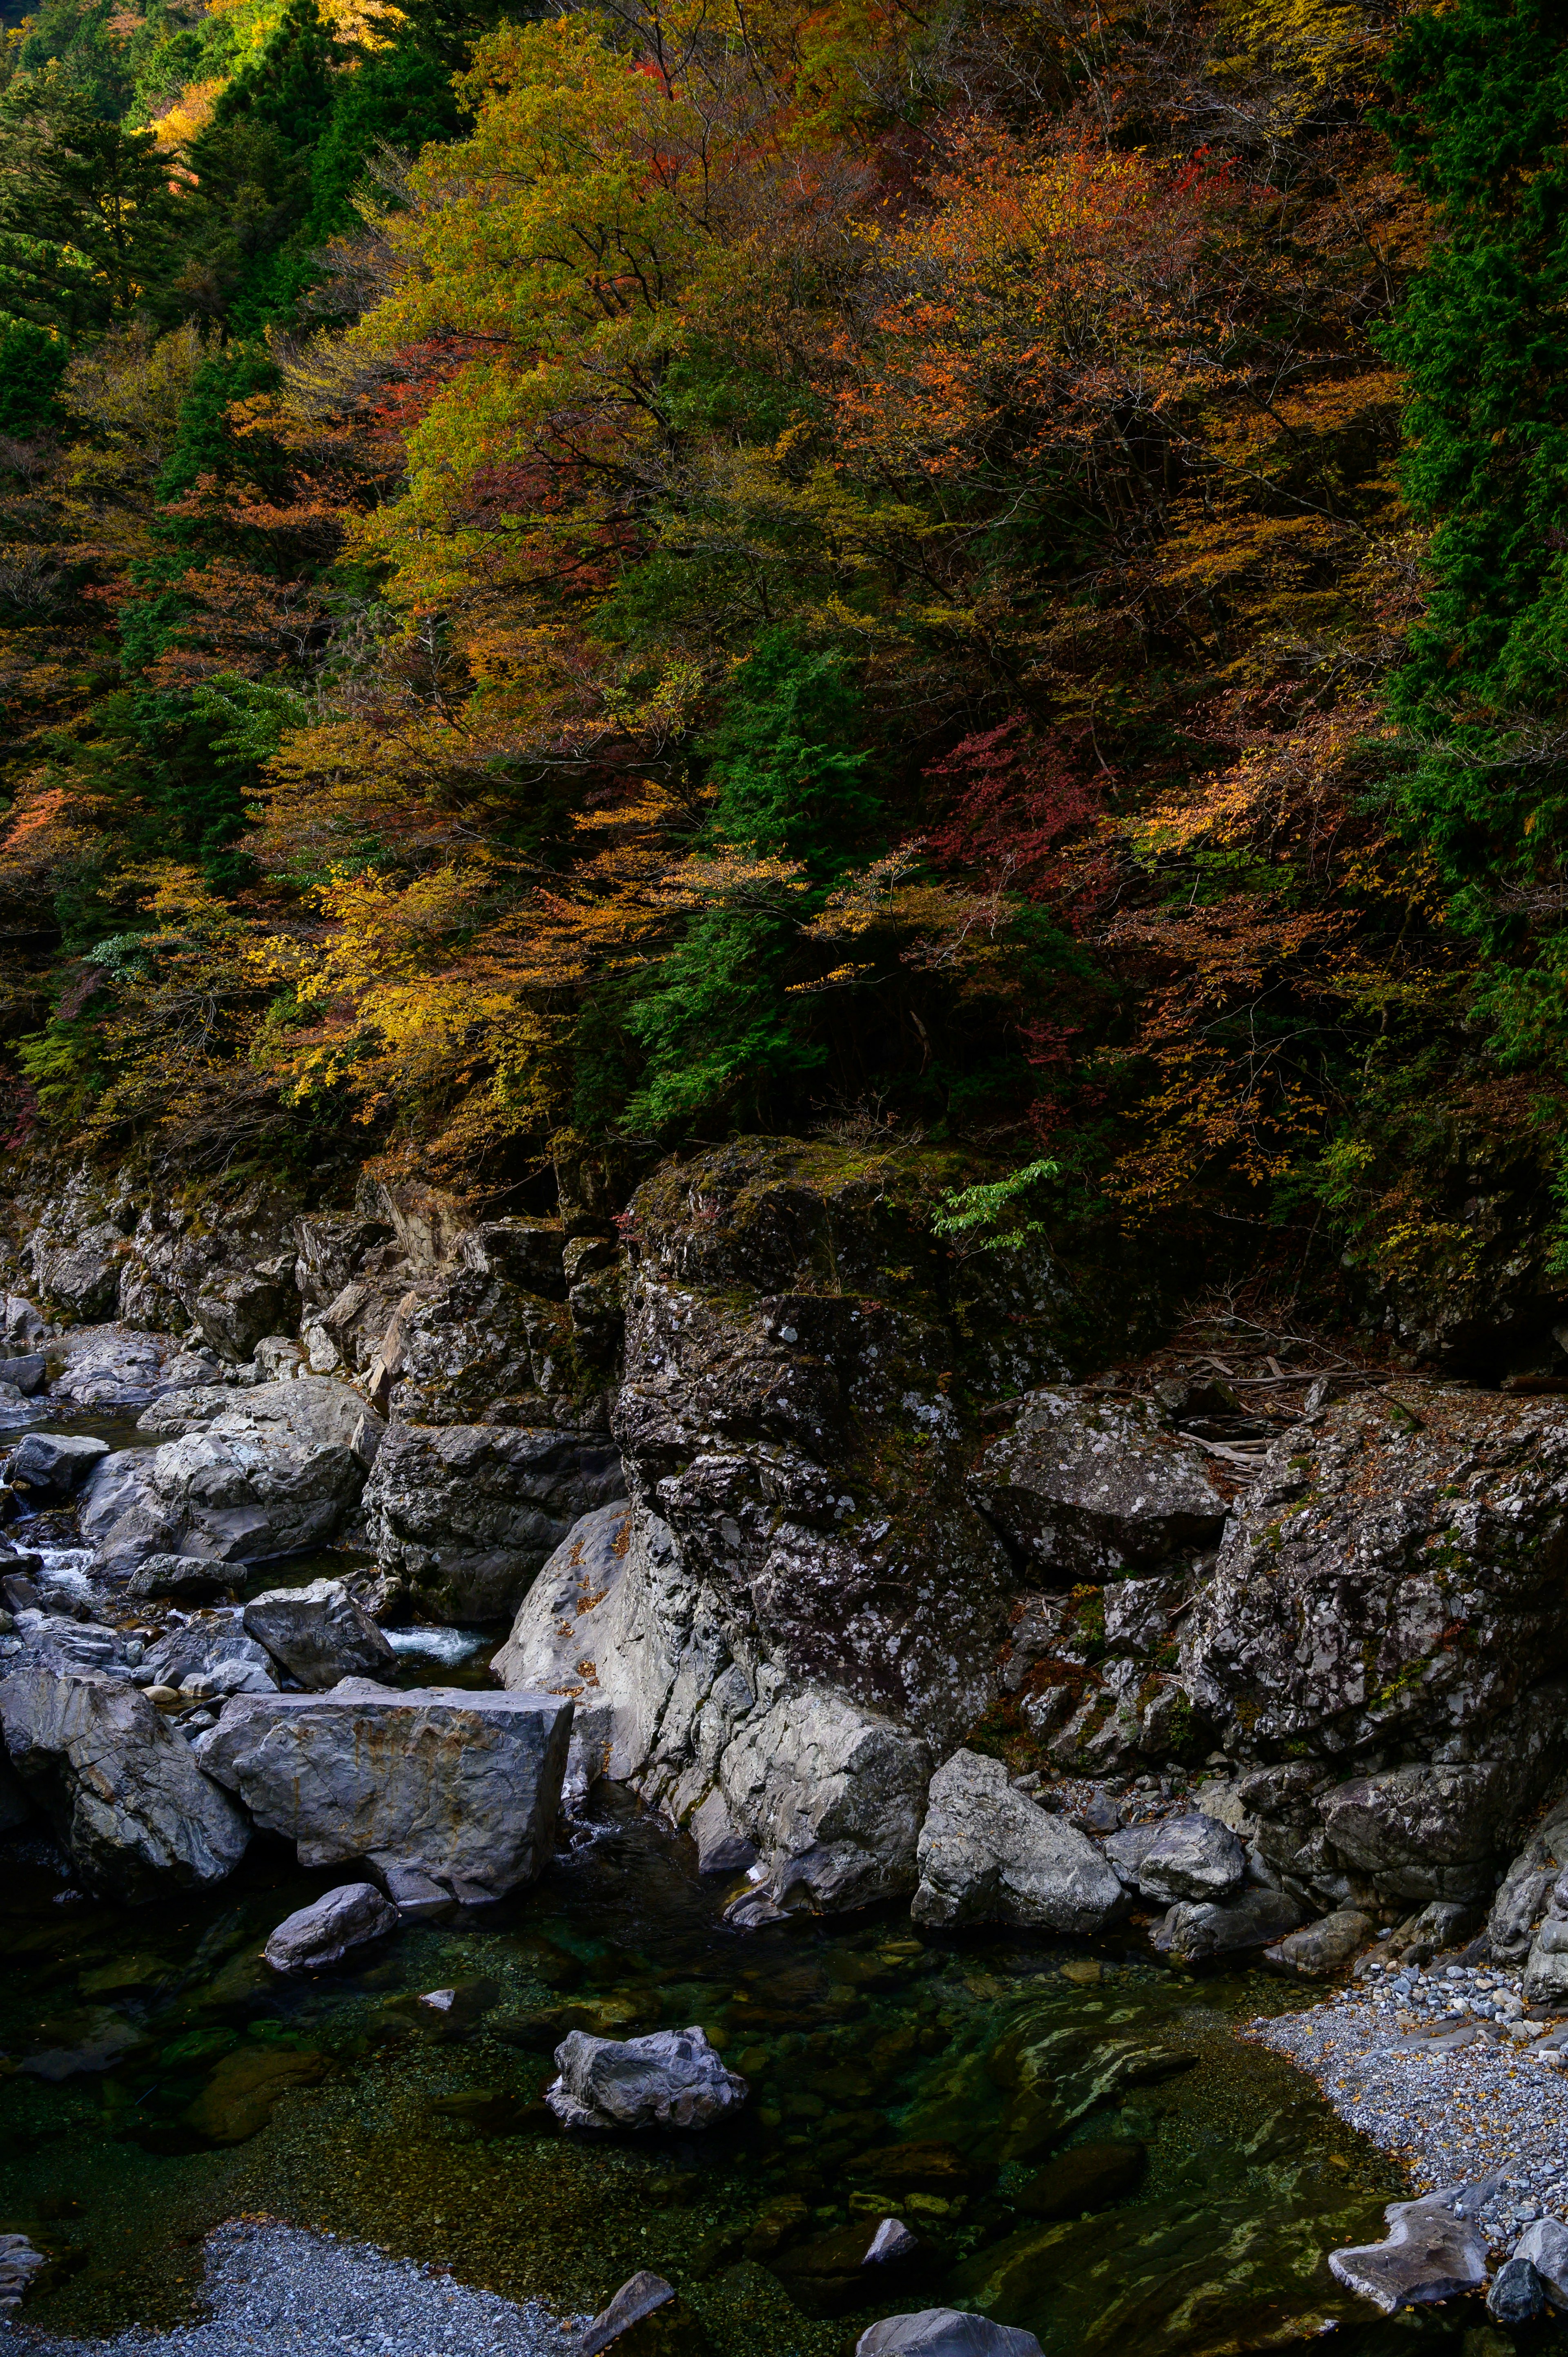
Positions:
(323, 1932)
(462, 1787)
(989, 1854)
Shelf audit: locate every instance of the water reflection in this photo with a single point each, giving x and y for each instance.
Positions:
(1073, 2134)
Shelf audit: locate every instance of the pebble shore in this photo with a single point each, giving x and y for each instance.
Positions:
(276, 2291)
(1445, 2070)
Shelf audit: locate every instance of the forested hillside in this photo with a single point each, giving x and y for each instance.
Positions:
(630, 573)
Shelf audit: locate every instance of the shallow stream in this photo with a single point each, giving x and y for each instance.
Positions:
(1074, 2131)
(168, 2081)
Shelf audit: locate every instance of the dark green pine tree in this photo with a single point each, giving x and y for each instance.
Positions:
(1484, 336)
(87, 219)
(721, 1029)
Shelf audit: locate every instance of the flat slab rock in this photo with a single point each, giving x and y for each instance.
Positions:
(1430, 2253)
(462, 1787)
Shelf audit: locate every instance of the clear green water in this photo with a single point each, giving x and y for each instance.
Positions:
(346, 2104)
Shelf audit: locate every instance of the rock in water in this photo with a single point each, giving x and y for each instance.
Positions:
(319, 1634)
(460, 1788)
(323, 1932)
(177, 1575)
(1545, 2245)
(891, 2244)
(945, 2332)
(645, 2319)
(1087, 2177)
(212, 1655)
(19, 2263)
(1255, 1919)
(1089, 1487)
(55, 1464)
(1517, 2294)
(1193, 1856)
(1323, 1947)
(119, 1786)
(672, 2079)
(989, 1854)
(1430, 2255)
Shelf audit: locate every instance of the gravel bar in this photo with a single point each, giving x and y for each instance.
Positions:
(275, 2291)
(1443, 2070)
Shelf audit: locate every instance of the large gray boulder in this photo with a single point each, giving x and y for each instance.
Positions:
(460, 1788)
(111, 1367)
(273, 1473)
(1321, 1948)
(319, 1634)
(1425, 1831)
(1090, 1489)
(831, 1794)
(52, 1642)
(1197, 1928)
(1526, 1889)
(1191, 1856)
(119, 1786)
(210, 1656)
(465, 1515)
(671, 2078)
(323, 1932)
(989, 1855)
(54, 1464)
(1546, 1966)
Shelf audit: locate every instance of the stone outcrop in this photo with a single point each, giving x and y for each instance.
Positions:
(322, 1933)
(671, 2078)
(1384, 1607)
(810, 1605)
(273, 1473)
(1523, 1895)
(1431, 2254)
(1546, 1968)
(1088, 1488)
(1191, 1856)
(463, 1516)
(318, 1634)
(459, 1788)
(989, 1855)
(119, 1787)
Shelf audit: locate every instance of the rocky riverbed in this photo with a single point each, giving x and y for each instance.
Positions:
(693, 1736)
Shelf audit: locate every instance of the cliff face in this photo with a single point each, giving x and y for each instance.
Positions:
(821, 1500)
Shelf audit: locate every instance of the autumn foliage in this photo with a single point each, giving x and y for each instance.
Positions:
(785, 561)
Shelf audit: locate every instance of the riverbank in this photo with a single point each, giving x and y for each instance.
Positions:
(272, 2289)
(1450, 2089)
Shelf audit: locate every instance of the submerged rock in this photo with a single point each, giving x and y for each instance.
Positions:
(461, 1788)
(323, 1932)
(945, 2332)
(1087, 2177)
(120, 1787)
(989, 1855)
(671, 2078)
(319, 1634)
(1431, 2254)
(238, 2100)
